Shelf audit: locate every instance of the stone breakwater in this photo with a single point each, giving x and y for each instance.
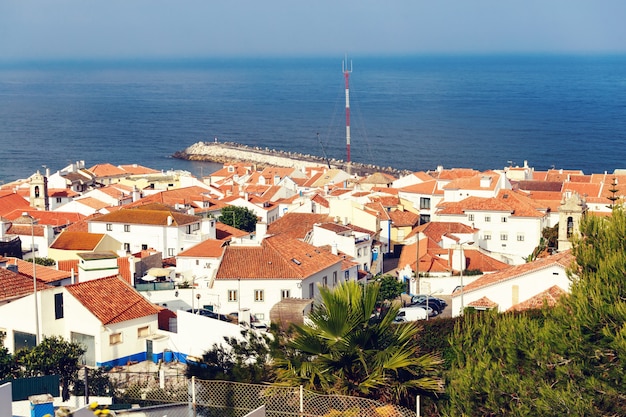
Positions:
(231, 152)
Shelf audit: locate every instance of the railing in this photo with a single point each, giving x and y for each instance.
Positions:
(224, 398)
(154, 286)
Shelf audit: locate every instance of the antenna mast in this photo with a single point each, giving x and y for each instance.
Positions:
(346, 74)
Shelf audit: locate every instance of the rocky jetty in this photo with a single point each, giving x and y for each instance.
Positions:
(230, 152)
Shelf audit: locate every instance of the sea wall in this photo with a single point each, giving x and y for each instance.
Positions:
(229, 152)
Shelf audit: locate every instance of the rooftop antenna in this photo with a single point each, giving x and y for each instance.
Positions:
(346, 74)
(323, 150)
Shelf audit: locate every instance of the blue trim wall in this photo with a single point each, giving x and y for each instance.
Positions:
(142, 356)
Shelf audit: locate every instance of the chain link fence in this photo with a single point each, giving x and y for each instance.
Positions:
(193, 397)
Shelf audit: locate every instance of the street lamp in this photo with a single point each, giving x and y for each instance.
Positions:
(32, 235)
(437, 291)
(462, 262)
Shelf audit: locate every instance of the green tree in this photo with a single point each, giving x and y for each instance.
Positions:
(390, 288)
(45, 261)
(53, 356)
(239, 217)
(7, 364)
(566, 360)
(341, 352)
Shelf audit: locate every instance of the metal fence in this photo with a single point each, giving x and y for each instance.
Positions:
(200, 398)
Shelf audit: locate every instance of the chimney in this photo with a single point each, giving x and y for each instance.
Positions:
(334, 249)
(261, 231)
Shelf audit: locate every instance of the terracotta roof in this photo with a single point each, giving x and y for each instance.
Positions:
(147, 215)
(50, 218)
(225, 232)
(106, 170)
(278, 257)
(483, 303)
(112, 300)
(44, 273)
(564, 259)
(584, 189)
(77, 241)
(68, 265)
(548, 297)
(378, 178)
(403, 218)
(507, 201)
(134, 169)
(16, 285)
(477, 182)
(540, 186)
(296, 225)
(450, 174)
(10, 202)
(427, 188)
(209, 248)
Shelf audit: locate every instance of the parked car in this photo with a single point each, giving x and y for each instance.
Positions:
(435, 303)
(412, 314)
(211, 314)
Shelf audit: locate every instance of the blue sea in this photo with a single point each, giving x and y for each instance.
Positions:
(414, 113)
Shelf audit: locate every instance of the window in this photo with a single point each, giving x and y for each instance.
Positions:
(520, 237)
(285, 294)
(346, 275)
(170, 251)
(144, 247)
(358, 252)
(143, 331)
(115, 338)
(487, 219)
(127, 227)
(325, 281)
(334, 278)
(259, 295)
(424, 203)
(232, 295)
(487, 236)
(470, 217)
(58, 306)
(59, 200)
(311, 290)
(503, 219)
(504, 236)
(197, 261)
(424, 218)
(109, 227)
(259, 316)
(127, 247)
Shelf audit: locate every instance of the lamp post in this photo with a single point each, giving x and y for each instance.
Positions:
(462, 261)
(437, 291)
(32, 235)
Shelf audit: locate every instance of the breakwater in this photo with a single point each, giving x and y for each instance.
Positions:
(231, 152)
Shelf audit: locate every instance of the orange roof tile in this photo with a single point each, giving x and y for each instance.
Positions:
(278, 257)
(548, 297)
(44, 273)
(210, 248)
(68, 240)
(16, 285)
(225, 232)
(106, 170)
(563, 259)
(296, 225)
(112, 300)
(12, 202)
(483, 302)
(147, 215)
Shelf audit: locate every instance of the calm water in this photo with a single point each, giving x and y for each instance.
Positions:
(411, 113)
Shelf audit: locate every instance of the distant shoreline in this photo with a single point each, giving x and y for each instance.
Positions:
(232, 152)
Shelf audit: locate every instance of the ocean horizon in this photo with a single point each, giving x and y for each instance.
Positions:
(411, 113)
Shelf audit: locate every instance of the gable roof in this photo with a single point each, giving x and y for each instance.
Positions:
(209, 248)
(44, 273)
(68, 240)
(150, 214)
(563, 259)
(16, 285)
(278, 257)
(296, 225)
(112, 300)
(548, 297)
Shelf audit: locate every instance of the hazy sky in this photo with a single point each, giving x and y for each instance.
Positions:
(34, 29)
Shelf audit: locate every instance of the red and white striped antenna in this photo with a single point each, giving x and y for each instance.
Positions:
(346, 74)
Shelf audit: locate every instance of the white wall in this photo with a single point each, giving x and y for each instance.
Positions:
(6, 399)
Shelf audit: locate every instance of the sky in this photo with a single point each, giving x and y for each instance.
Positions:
(122, 29)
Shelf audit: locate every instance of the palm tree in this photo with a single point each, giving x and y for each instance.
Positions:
(341, 351)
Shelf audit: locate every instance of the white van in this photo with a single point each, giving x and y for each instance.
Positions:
(411, 314)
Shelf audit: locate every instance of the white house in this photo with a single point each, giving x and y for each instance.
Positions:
(110, 318)
(504, 289)
(258, 277)
(510, 224)
(353, 241)
(154, 226)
